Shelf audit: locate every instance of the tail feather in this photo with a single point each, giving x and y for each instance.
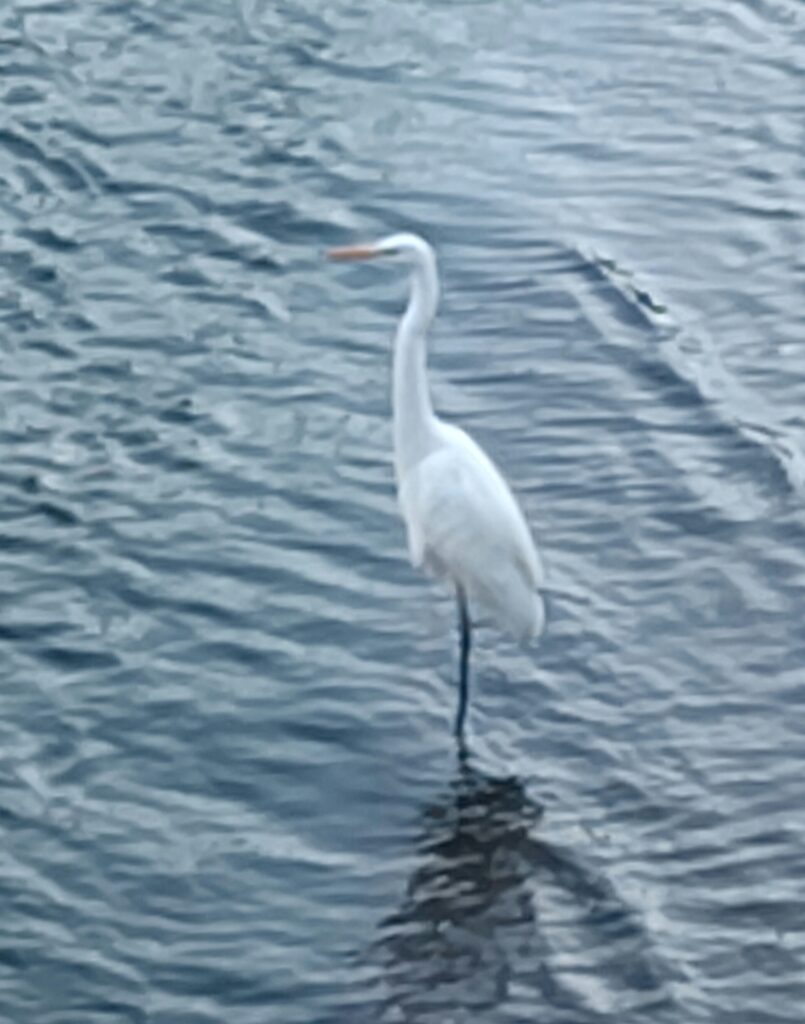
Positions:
(515, 606)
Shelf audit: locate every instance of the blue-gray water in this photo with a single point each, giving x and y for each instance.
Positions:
(229, 789)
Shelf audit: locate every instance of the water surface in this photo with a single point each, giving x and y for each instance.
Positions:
(229, 790)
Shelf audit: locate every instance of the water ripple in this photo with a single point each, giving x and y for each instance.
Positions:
(227, 786)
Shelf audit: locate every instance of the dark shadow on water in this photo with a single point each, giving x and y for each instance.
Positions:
(499, 922)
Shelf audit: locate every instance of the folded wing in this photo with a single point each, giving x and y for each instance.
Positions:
(464, 524)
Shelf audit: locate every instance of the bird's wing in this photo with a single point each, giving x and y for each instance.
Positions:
(463, 521)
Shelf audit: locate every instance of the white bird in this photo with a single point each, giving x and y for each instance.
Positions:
(463, 522)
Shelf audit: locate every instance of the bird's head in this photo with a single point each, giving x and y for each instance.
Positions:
(406, 247)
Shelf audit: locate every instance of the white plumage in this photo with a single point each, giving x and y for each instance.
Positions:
(463, 522)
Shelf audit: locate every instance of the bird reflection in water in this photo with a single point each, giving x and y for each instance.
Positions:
(467, 937)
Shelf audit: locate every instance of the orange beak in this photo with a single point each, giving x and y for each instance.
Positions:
(353, 252)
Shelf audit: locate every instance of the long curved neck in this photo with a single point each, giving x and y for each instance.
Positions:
(414, 420)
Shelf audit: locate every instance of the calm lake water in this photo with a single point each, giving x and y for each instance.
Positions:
(228, 786)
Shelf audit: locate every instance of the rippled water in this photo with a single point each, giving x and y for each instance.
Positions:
(229, 789)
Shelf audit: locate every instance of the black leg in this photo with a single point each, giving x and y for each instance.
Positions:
(465, 629)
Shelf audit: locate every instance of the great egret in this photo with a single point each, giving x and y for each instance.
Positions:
(463, 521)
